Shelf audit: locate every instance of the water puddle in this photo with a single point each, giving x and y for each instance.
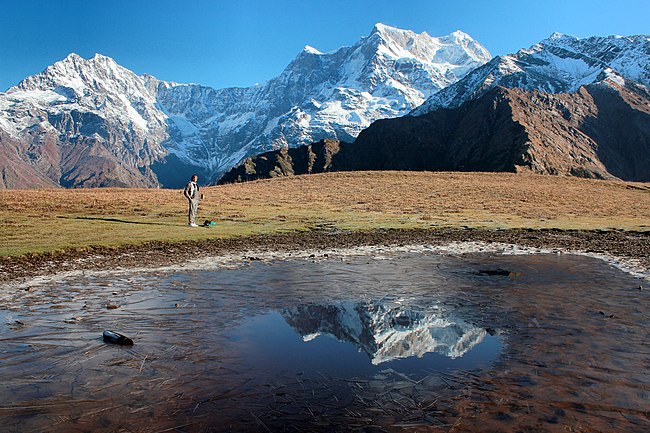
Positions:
(382, 343)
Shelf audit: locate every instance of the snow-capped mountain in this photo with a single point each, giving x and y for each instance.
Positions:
(559, 64)
(386, 332)
(94, 123)
(82, 123)
(333, 95)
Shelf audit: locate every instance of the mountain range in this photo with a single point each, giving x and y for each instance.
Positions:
(566, 106)
(92, 123)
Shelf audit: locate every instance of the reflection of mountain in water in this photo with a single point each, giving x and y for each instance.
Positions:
(386, 332)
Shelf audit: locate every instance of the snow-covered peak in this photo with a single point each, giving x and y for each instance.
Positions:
(99, 73)
(311, 50)
(152, 83)
(384, 29)
(559, 64)
(596, 46)
(557, 36)
(148, 78)
(72, 58)
(455, 48)
(389, 63)
(318, 95)
(392, 33)
(99, 56)
(98, 85)
(459, 35)
(463, 39)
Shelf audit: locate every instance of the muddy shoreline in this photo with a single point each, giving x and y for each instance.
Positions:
(617, 243)
(571, 356)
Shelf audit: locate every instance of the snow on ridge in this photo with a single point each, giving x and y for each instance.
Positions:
(311, 50)
(558, 64)
(424, 47)
(80, 83)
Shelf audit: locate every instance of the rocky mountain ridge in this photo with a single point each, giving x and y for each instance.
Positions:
(601, 131)
(94, 123)
(558, 64)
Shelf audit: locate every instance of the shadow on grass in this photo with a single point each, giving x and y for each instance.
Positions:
(116, 220)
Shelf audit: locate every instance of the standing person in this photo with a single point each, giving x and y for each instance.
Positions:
(192, 194)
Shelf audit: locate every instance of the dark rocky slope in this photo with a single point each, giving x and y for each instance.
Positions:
(602, 131)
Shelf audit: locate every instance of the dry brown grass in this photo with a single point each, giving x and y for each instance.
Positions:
(48, 220)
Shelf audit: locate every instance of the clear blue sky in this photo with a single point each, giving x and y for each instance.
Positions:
(241, 42)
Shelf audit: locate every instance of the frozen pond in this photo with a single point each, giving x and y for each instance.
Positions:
(382, 342)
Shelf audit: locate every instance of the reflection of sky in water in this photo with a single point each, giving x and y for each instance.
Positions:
(6, 320)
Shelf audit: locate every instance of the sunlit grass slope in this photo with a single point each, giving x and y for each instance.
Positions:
(35, 221)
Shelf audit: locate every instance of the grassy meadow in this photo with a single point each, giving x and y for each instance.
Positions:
(36, 221)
